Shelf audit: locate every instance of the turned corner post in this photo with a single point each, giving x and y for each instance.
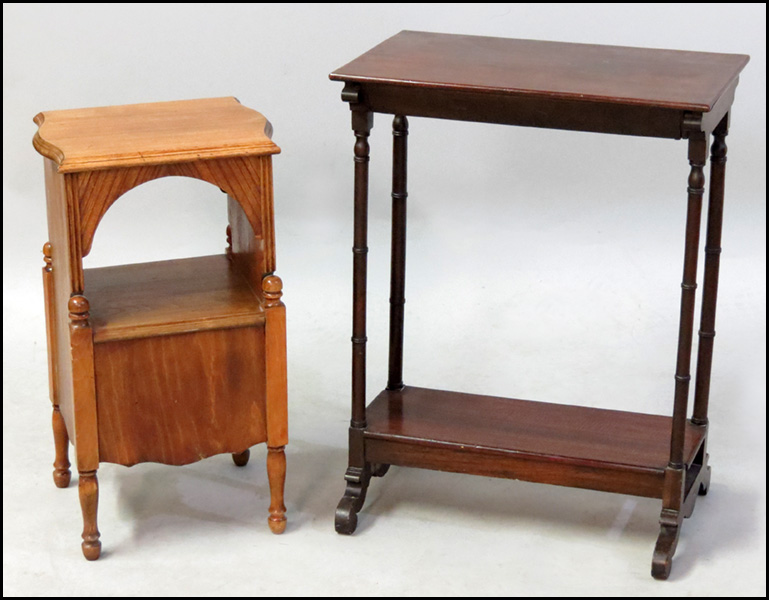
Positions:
(675, 473)
(707, 330)
(276, 398)
(698, 148)
(358, 472)
(362, 123)
(86, 443)
(398, 251)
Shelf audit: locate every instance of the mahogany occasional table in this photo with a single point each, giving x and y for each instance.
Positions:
(581, 87)
(169, 361)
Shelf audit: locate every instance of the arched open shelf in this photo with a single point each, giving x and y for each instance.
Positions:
(180, 295)
(175, 360)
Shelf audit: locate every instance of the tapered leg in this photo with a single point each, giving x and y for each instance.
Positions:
(88, 488)
(61, 472)
(241, 459)
(357, 475)
(675, 473)
(276, 475)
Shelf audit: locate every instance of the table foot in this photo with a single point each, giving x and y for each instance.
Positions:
(662, 560)
(379, 469)
(705, 483)
(241, 459)
(346, 517)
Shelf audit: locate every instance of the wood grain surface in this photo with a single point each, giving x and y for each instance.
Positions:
(174, 296)
(149, 134)
(591, 436)
(587, 72)
(176, 399)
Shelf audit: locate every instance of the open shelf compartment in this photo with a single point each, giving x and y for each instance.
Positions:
(577, 446)
(169, 297)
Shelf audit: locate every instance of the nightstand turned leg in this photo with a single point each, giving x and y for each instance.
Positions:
(675, 474)
(276, 474)
(276, 398)
(88, 488)
(61, 472)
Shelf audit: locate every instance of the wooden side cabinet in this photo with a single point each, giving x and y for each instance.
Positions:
(170, 361)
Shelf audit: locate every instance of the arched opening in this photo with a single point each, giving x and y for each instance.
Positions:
(167, 218)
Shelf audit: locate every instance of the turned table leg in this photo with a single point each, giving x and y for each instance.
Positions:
(358, 471)
(276, 475)
(61, 472)
(675, 473)
(707, 331)
(88, 488)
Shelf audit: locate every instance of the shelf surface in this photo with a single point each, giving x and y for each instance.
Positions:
(589, 437)
(585, 72)
(168, 297)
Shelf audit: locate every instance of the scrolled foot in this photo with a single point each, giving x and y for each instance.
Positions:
(346, 516)
(662, 560)
(241, 459)
(379, 470)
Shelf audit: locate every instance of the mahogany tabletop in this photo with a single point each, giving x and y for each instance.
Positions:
(674, 79)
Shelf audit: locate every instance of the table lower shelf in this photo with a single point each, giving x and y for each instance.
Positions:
(576, 446)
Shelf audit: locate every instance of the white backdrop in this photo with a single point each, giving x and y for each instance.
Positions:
(542, 265)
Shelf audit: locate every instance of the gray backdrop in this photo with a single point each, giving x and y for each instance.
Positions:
(542, 265)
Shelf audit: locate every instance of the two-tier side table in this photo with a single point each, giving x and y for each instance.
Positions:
(170, 361)
(580, 87)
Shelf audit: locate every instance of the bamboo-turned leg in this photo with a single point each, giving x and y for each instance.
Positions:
(675, 473)
(398, 252)
(61, 472)
(88, 489)
(358, 472)
(397, 262)
(276, 387)
(707, 331)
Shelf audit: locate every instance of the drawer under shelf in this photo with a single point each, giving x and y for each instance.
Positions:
(575, 446)
(169, 297)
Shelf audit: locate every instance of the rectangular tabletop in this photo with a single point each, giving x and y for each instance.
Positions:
(587, 87)
(665, 78)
